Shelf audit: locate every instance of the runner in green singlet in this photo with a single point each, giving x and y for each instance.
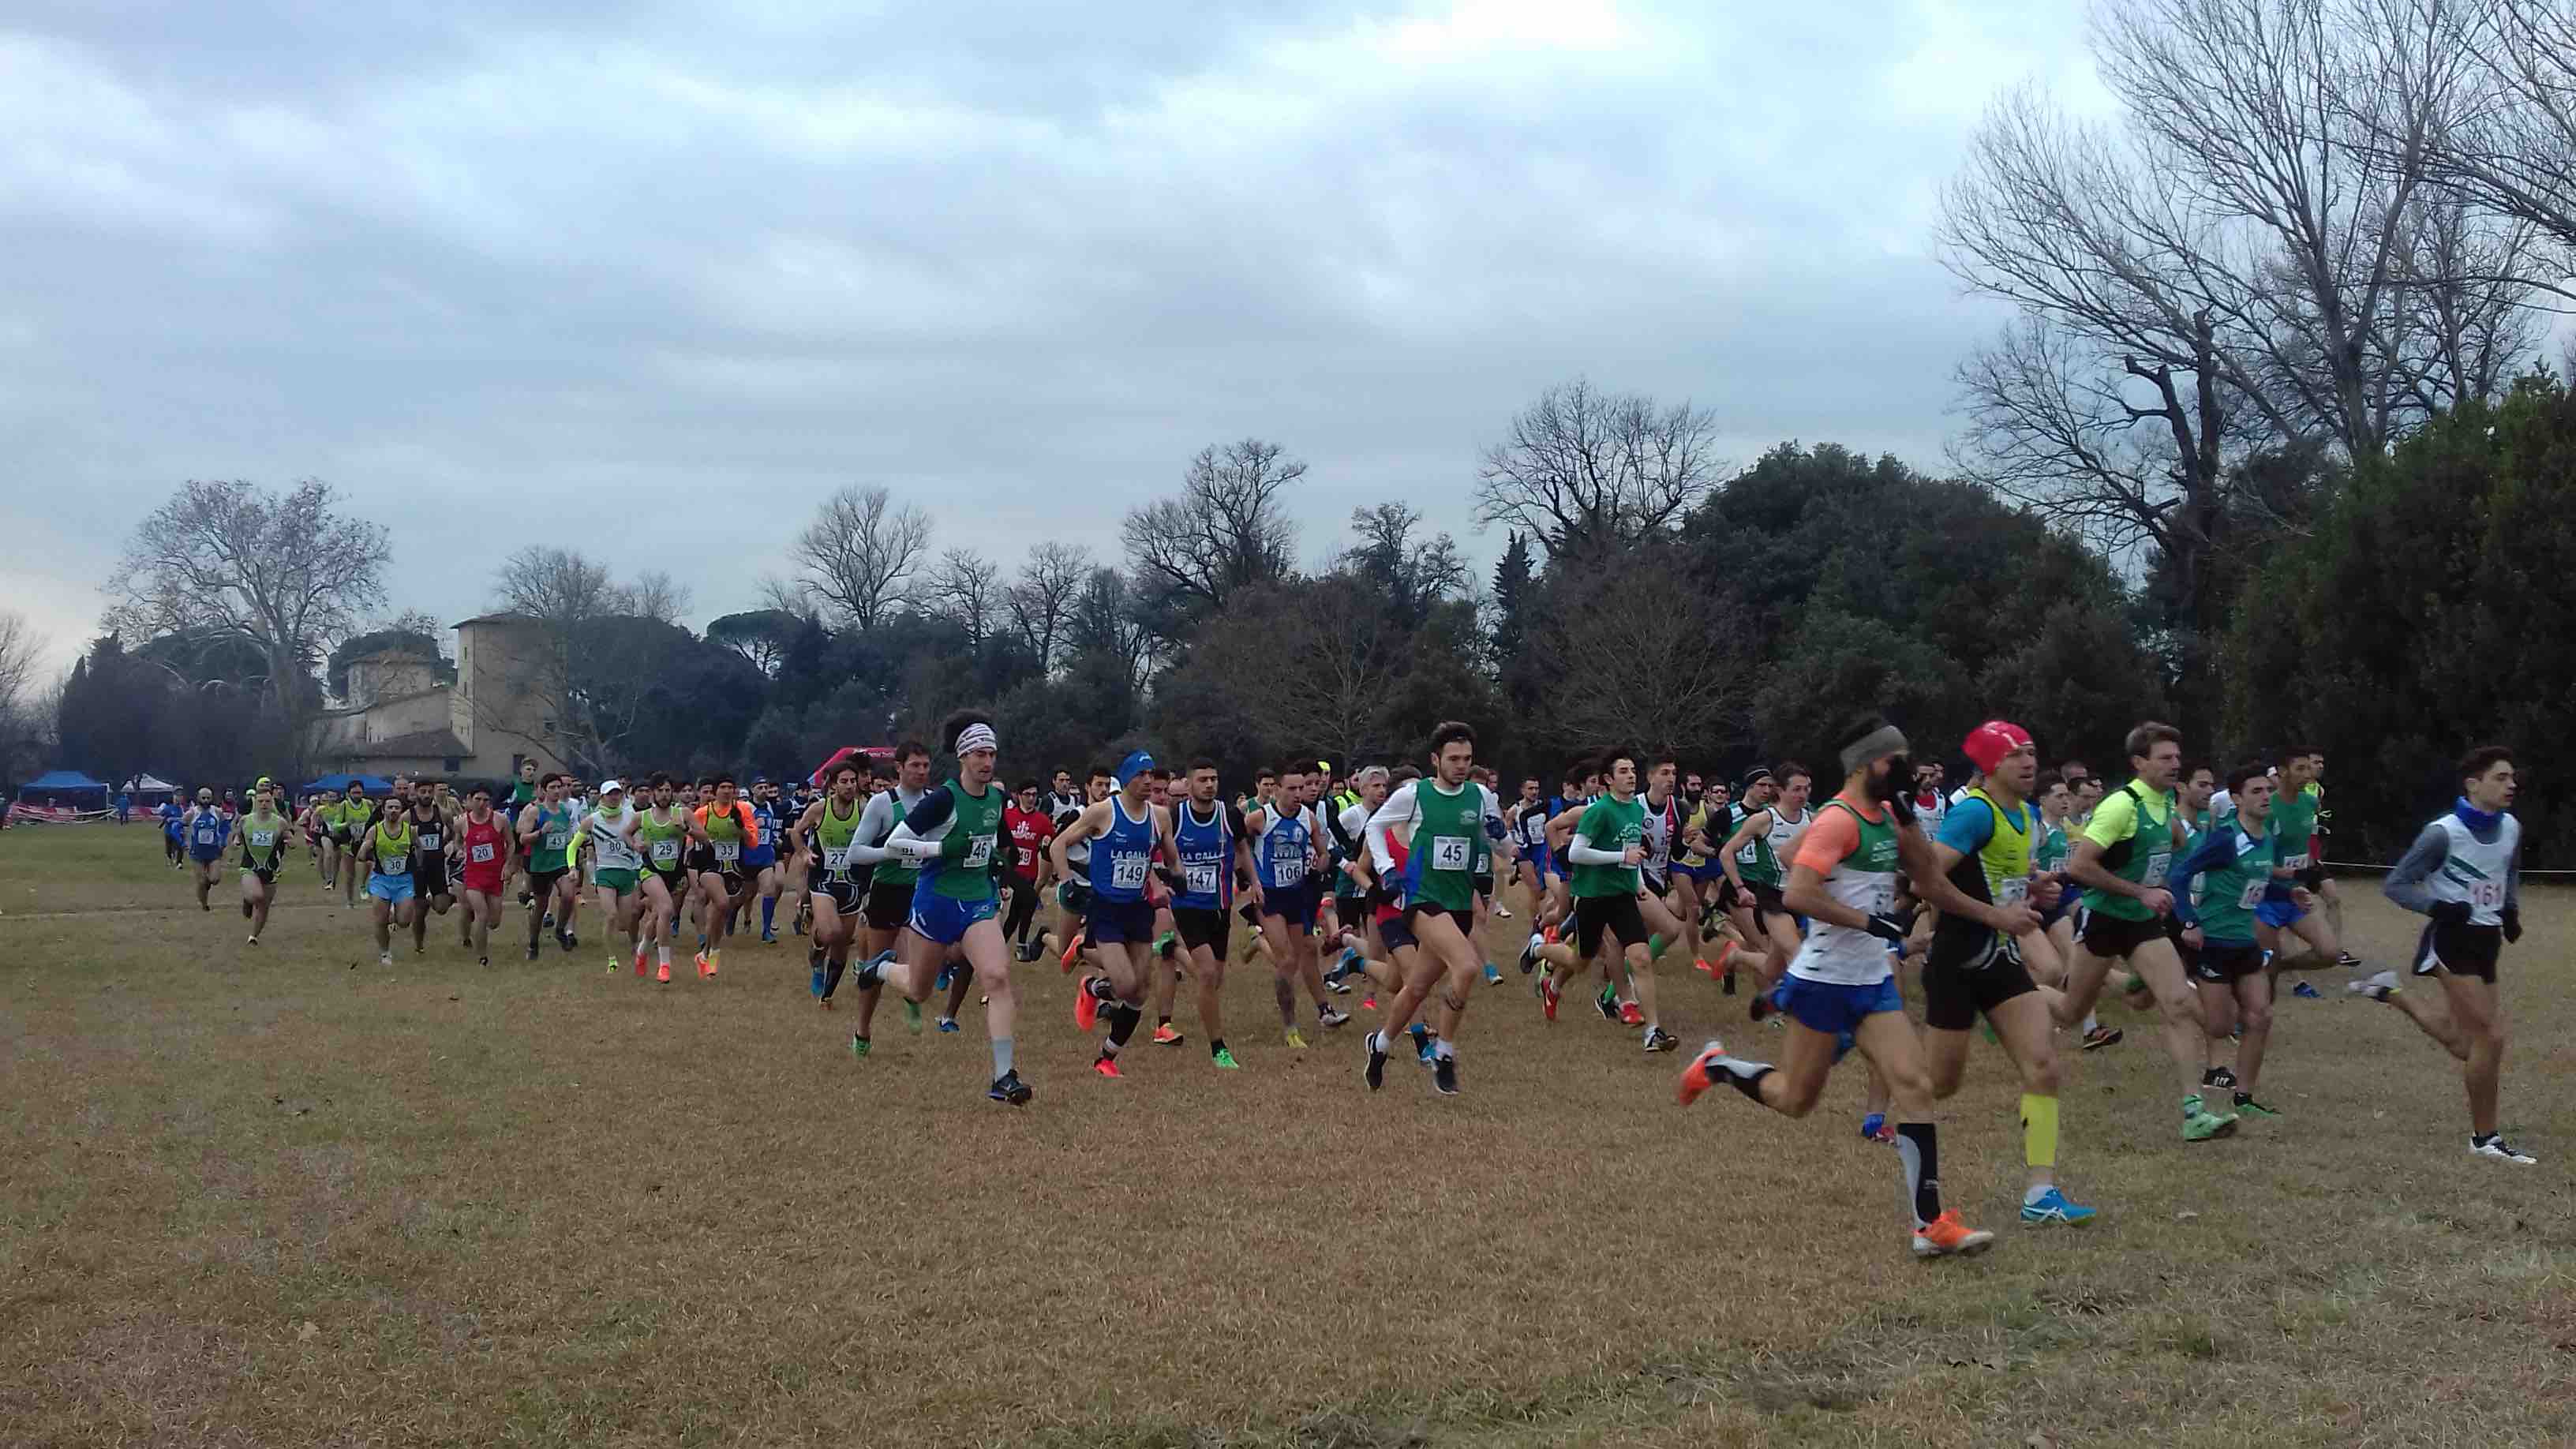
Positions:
(545, 827)
(832, 885)
(386, 851)
(263, 835)
(660, 836)
(1436, 889)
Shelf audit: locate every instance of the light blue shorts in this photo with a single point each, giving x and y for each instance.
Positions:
(394, 888)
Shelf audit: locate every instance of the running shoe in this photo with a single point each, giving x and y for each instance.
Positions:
(1874, 1128)
(1106, 1066)
(1296, 1041)
(532, 950)
(384, 958)
(1660, 1040)
(1493, 974)
(567, 940)
(1337, 986)
(245, 910)
(2218, 1077)
(1630, 1014)
(2378, 987)
(1072, 953)
(1424, 1053)
(2102, 1036)
(1086, 1008)
(1549, 935)
(253, 941)
(858, 1046)
(823, 1003)
(816, 988)
(2246, 1103)
(1760, 1008)
(1164, 943)
(664, 975)
(1164, 1035)
(1529, 954)
(1549, 995)
(2205, 1125)
(2053, 1206)
(1945, 1236)
(769, 936)
(1009, 1088)
(1444, 1076)
(1375, 1072)
(613, 964)
(1698, 1076)
(946, 1025)
(912, 1017)
(2306, 992)
(940, 982)
(1607, 1002)
(1502, 912)
(1223, 1058)
(2347, 960)
(2493, 1145)
(639, 964)
(1369, 1002)
(1330, 1017)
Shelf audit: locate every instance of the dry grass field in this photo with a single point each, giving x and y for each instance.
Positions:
(287, 1197)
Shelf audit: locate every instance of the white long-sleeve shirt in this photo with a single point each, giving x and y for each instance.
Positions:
(1400, 809)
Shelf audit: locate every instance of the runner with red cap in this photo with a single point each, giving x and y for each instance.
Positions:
(1972, 970)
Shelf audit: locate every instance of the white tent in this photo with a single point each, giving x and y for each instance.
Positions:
(148, 787)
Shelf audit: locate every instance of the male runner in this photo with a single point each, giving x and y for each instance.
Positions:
(1029, 829)
(386, 850)
(891, 881)
(1607, 849)
(832, 823)
(263, 836)
(1288, 858)
(952, 840)
(730, 830)
(1127, 834)
(619, 872)
(1984, 847)
(485, 844)
(205, 828)
(432, 835)
(1841, 981)
(1444, 812)
(2122, 860)
(1752, 858)
(545, 826)
(662, 835)
(357, 817)
(2224, 890)
(1214, 847)
(2464, 873)
(760, 857)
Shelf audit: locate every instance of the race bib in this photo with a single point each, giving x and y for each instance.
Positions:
(481, 854)
(1451, 852)
(263, 839)
(556, 839)
(1882, 898)
(2251, 896)
(2487, 895)
(2295, 862)
(666, 852)
(206, 833)
(979, 851)
(2013, 892)
(1127, 872)
(397, 864)
(1746, 856)
(836, 859)
(1201, 879)
(2157, 865)
(1291, 870)
(728, 851)
(429, 843)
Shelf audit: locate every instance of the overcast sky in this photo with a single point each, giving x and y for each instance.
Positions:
(652, 280)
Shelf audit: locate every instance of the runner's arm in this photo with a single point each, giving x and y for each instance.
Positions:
(923, 837)
(1399, 808)
(2215, 850)
(875, 819)
(1936, 889)
(1080, 828)
(2406, 880)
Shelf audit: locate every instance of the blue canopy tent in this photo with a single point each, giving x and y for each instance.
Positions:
(65, 787)
(372, 784)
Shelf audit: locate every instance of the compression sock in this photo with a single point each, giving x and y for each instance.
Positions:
(768, 914)
(1918, 1148)
(1122, 1025)
(1002, 1057)
(1654, 946)
(2038, 1130)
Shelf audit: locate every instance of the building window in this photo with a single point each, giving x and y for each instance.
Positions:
(451, 764)
(547, 729)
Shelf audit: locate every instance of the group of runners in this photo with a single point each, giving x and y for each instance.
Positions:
(2014, 896)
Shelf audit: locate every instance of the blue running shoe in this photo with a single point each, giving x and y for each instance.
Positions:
(1493, 974)
(2305, 992)
(1874, 1128)
(2052, 1207)
(942, 983)
(1422, 1043)
(947, 1024)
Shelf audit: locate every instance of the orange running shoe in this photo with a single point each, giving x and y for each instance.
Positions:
(1107, 1067)
(1165, 1036)
(1086, 1007)
(665, 975)
(1072, 953)
(715, 958)
(1946, 1235)
(1549, 935)
(1630, 1014)
(639, 963)
(1368, 1003)
(1549, 994)
(1695, 1077)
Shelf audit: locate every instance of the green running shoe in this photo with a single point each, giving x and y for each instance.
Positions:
(2245, 1104)
(912, 1017)
(2203, 1126)
(1223, 1058)
(859, 1047)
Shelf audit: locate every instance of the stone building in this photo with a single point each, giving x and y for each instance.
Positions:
(400, 719)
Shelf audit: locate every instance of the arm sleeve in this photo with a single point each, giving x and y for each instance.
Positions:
(2513, 878)
(1582, 852)
(2215, 849)
(874, 817)
(1493, 815)
(2405, 883)
(1397, 809)
(917, 838)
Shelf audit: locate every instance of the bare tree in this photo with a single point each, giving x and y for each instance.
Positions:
(24, 709)
(1340, 646)
(229, 561)
(2241, 269)
(1639, 656)
(1040, 601)
(596, 668)
(1412, 575)
(2512, 150)
(860, 553)
(1105, 622)
(1587, 472)
(967, 587)
(656, 595)
(1227, 530)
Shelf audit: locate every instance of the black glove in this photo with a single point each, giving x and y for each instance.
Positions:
(2512, 924)
(1902, 807)
(1169, 876)
(1889, 926)
(2450, 913)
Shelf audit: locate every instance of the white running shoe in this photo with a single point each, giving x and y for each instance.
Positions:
(2375, 987)
(2494, 1145)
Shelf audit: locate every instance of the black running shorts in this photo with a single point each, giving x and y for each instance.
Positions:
(1616, 914)
(2115, 936)
(1957, 990)
(2225, 961)
(889, 905)
(2463, 950)
(1212, 929)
